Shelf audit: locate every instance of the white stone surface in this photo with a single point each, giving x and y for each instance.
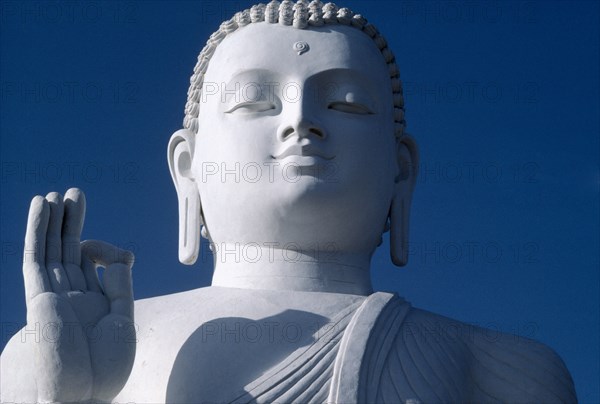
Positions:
(292, 174)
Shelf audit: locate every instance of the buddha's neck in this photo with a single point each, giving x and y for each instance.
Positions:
(251, 267)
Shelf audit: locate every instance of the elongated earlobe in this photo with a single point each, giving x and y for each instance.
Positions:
(399, 217)
(180, 156)
(189, 228)
(408, 160)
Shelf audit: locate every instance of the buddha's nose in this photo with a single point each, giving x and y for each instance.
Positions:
(302, 128)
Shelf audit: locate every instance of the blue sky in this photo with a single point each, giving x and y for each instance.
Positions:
(502, 97)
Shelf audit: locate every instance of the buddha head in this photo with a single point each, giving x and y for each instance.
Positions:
(294, 134)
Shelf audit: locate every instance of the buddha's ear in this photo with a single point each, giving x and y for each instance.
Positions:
(408, 163)
(180, 154)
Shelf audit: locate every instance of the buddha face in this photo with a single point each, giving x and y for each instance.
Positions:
(295, 142)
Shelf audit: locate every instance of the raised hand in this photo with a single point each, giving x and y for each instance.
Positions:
(87, 334)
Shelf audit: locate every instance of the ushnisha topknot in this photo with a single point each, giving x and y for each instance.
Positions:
(301, 15)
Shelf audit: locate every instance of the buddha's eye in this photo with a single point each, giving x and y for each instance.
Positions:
(350, 108)
(251, 106)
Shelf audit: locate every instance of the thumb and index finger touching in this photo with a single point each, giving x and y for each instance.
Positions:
(116, 280)
(75, 255)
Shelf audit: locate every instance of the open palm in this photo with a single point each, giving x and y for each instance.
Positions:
(86, 343)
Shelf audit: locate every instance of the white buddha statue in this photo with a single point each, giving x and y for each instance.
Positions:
(293, 162)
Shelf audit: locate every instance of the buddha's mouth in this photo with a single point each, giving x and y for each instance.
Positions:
(307, 150)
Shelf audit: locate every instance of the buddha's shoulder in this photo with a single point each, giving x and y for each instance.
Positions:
(164, 304)
(448, 355)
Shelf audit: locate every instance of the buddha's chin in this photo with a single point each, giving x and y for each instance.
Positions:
(304, 220)
(306, 212)
(310, 187)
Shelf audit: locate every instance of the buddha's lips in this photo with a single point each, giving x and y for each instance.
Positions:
(303, 151)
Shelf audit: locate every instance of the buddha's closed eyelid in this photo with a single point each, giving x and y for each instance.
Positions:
(251, 106)
(350, 107)
(350, 98)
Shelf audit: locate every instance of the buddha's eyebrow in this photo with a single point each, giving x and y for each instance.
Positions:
(340, 74)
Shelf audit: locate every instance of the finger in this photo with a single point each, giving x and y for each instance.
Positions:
(74, 202)
(118, 289)
(53, 234)
(37, 226)
(72, 224)
(34, 271)
(56, 273)
(90, 273)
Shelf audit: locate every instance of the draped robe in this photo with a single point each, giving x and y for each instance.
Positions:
(385, 351)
